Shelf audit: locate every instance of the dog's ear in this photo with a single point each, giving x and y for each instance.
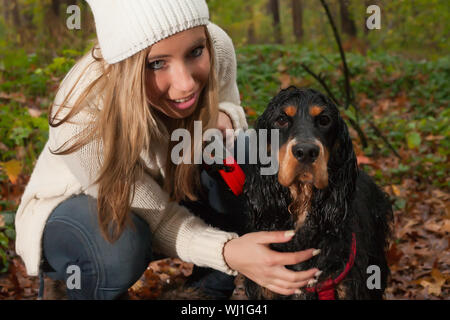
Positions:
(343, 165)
(267, 200)
(333, 203)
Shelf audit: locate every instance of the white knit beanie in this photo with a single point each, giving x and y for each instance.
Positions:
(125, 27)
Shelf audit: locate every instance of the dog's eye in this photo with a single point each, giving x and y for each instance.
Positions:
(282, 121)
(323, 120)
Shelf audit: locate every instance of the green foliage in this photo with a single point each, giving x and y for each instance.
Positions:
(19, 129)
(7, 234)
(21, 71)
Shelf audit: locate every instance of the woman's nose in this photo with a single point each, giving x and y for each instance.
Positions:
(183, 80)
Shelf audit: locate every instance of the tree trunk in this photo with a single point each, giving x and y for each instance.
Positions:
(297, 18)
(251, 36)
(347, 22)
(16, 14)
(275, 10)
(55, 7)
(6, 11)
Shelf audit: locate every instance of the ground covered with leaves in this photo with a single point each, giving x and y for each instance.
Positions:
(406, 100)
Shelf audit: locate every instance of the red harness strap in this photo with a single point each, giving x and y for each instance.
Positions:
(235, 177)
(325, 289)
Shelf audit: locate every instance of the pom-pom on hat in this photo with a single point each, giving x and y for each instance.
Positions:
(125, 27)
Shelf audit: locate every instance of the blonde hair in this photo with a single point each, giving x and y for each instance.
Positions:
(125, 132)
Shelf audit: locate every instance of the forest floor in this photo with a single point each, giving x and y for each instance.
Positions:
(419, 263)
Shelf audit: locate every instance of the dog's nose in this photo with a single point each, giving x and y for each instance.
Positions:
(305, 152)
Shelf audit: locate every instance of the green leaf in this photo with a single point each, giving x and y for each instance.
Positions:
(400, 203)
(10, 233)
(8, 217)
(3, 240)
(413, 140)
(4, 261)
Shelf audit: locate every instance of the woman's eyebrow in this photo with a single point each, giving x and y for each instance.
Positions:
(195, 44)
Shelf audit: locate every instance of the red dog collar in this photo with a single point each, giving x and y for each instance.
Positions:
(325, 289)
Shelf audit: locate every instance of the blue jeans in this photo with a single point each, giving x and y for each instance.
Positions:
(72, 239)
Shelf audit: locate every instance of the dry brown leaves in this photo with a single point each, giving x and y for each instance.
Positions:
(16, 284)
(420, 257)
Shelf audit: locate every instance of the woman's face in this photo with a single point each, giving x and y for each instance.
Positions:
(177, 70)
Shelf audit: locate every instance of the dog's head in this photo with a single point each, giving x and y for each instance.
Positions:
(315, 149)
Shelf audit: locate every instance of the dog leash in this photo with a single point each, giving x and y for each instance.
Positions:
(325, 289)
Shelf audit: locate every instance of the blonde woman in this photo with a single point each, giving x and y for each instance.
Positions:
(104, 194)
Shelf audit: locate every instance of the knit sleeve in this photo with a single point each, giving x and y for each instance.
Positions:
(229, 99)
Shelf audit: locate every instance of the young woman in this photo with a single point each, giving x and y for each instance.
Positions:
(104, 194)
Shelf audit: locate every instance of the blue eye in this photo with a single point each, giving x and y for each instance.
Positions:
(197, 52)
(156, 65)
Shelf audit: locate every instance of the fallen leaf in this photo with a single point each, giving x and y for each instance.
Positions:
(250, 111)
(281, 67)
(12, 169)
(363, 160)
(393, 255)
(396, 190)
(435, 283)
(433, 226)
(285, 80)
(35, 113)
(413, 140)
(406, 228)
(432, 288)
(20, 152)
(438, 276)
(433, 138)
(16, 96)
(446, 226)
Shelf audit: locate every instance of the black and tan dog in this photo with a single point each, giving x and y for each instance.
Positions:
(320, 192)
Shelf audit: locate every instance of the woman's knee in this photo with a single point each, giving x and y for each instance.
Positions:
(69, 257)
(73, 243)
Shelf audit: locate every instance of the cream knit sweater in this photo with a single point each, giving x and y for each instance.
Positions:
(176, 232)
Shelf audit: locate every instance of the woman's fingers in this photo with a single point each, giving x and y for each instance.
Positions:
(290, 258)
(292, 281)
(283, 291)
(267, 237)
(290, 285)
(297, 276)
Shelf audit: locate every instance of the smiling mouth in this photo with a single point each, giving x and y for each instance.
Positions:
(183, 99)
(185, 103)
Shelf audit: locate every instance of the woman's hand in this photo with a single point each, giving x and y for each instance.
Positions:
(251, 256)
(224, 123)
